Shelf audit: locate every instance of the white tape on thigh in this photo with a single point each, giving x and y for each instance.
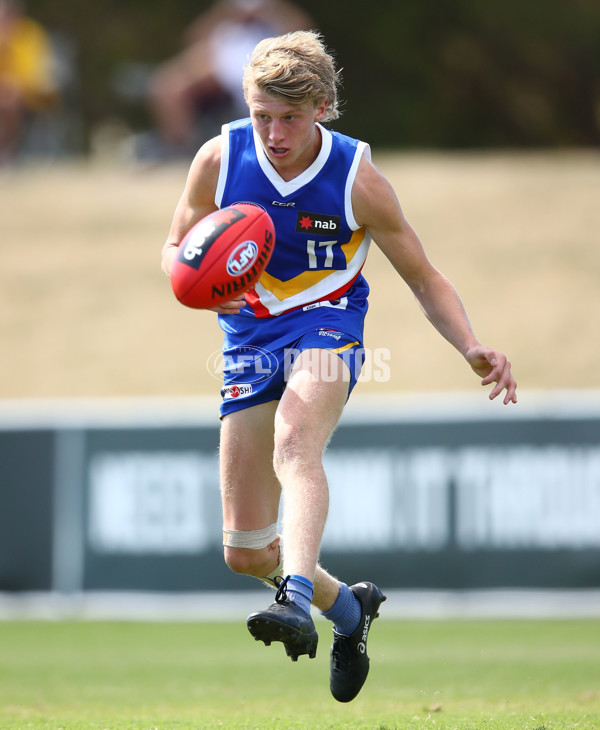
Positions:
(253, 539)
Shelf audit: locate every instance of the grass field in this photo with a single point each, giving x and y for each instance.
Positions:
(86, 311)
(505, 675)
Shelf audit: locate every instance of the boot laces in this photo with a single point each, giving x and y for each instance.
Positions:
(281, 583)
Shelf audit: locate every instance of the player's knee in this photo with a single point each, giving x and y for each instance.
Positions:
(250, 562)
(292, 445)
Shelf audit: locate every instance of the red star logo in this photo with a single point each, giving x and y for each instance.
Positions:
(305, 222)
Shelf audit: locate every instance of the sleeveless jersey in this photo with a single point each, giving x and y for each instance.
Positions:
(319, 247)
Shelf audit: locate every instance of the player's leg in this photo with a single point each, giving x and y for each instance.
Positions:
(306, 417)
(250, 490)
(307, 414)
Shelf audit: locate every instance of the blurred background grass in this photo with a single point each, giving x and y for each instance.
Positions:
(86, 311)
(486, 118)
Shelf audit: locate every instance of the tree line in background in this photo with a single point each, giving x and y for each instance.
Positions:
(417, 73)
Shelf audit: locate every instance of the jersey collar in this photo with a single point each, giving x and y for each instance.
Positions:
(287, 187)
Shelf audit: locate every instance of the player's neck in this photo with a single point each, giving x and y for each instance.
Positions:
(288, 172)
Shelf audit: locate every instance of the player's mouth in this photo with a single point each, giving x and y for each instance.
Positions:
(278, 151)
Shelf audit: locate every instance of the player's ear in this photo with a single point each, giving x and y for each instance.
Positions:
(320, 110)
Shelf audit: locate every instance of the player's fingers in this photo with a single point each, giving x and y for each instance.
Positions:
(511, 394)
(504, 381)
(497, 364)
(231, 307)
(511, 391)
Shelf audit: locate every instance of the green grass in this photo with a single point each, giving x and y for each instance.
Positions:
(139, 676)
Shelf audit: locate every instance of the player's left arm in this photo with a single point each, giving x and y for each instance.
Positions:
(376, 207)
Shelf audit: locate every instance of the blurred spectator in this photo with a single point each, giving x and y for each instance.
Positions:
(27, 85)
(207, 74)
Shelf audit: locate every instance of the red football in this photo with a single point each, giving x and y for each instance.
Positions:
(223, 255)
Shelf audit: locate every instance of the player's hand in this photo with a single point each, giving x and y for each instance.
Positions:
(493, 367)
(232, 307)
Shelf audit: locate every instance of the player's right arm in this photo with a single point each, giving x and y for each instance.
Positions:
(197, 200)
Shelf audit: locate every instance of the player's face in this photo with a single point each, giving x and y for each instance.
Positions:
(288, 133)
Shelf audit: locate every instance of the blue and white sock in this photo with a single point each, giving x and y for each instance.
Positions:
(300, 590)
(345, 612)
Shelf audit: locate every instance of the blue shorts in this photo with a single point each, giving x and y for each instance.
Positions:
(258, 354)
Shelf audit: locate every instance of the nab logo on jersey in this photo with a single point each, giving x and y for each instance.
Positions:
(317, 223)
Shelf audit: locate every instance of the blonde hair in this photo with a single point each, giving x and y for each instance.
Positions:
(296, 67)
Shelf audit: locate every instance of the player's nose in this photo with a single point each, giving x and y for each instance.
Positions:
(276, 134)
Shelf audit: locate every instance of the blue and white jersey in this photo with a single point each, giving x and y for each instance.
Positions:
(319, 247)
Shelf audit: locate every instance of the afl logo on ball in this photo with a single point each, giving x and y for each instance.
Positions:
(242, 258)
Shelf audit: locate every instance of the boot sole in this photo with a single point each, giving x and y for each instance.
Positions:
(296, 643)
